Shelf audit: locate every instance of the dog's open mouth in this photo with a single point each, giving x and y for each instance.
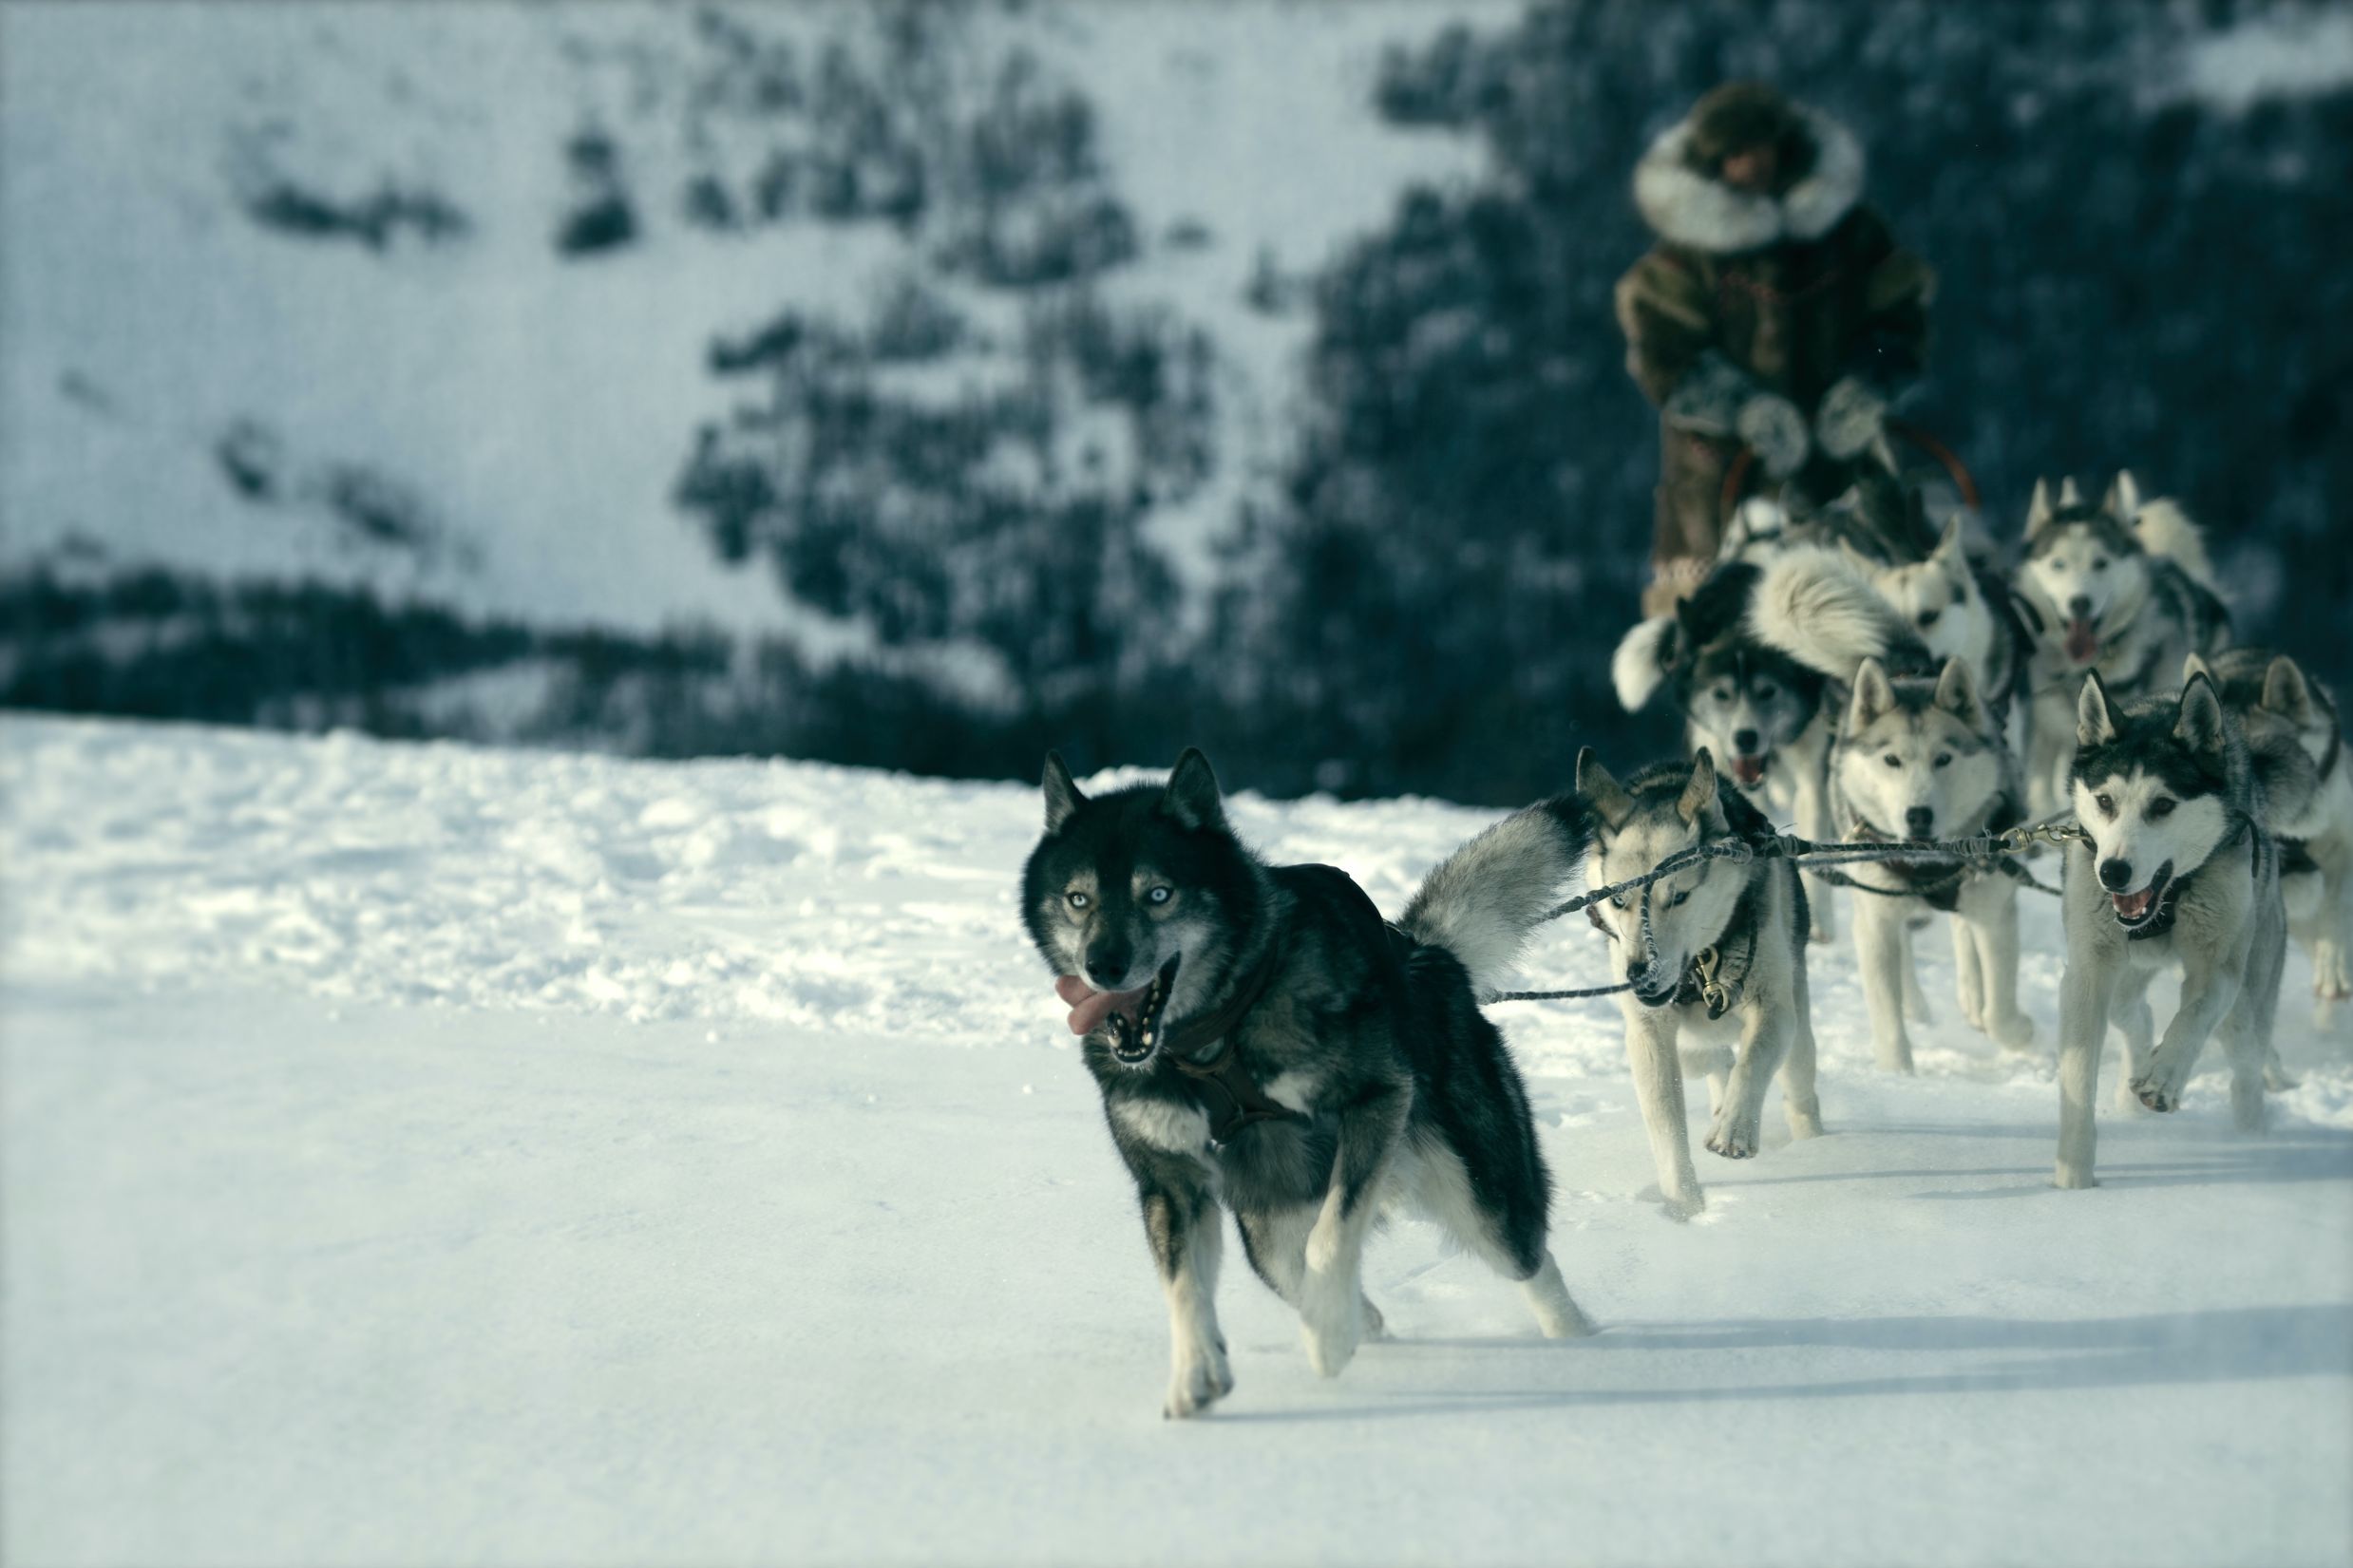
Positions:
(2082, 641)
(1134, 1016)
(2135, 910)
(1749, 771)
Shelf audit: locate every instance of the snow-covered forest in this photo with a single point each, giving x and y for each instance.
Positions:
(920, 385)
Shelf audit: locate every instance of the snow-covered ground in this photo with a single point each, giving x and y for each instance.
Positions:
(424, 1154)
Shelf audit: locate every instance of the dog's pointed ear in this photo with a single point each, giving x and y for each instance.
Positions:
(2068, 494)
(1699, 805)
(1607, 798)
(1956, 690)
(2194, 664)
(1873, 695)
(1951, 547)
(2122, 502)
(2038, 509)
(2287, 693)
(1062, 796)
(2200, 724)
(2095, 723)
(1192, 797)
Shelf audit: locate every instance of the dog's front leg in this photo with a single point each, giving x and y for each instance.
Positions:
(2332, 937)
(1188, 1234)
(1816, 822)
(1659, 1089)
(2208, 987)
(1879, 943)
(1986, 924)
(2136, 1026)
(2083, 997)
(1331, 1294)
(1765, 1031)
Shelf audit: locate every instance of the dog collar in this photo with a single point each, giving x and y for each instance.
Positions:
(1717, 972)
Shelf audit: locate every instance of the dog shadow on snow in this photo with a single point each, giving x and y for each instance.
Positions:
(2226, 1345)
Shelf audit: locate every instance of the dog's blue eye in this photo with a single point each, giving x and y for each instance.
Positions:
(1942, 758)
(1160, 895)
(1080, 901)
(1679, 900)
(1892, 760)
(1618, 901)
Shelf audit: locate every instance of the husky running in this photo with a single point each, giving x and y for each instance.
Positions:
(1921, 759)
(2295, 737)
(1263, 1040)
(1715, 956)
(2123, 589)
(2179, 871)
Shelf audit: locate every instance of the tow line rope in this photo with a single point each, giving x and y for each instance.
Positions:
(1991, 849)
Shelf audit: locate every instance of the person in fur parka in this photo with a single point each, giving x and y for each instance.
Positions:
(1775, 312)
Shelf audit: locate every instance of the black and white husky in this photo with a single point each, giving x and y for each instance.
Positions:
(2297, 744)
(1715, 956)
(2179, 871)
(2123, 588)
(1263, 1041)
(1744, 701)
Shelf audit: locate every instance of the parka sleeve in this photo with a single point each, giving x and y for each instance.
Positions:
(1891, 348)
(1668, 320)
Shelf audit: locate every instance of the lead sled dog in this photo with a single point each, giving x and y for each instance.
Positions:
(2178, 871)
(1265, 1043)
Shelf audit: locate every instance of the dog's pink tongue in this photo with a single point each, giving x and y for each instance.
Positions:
(1089, 1007)
(2133, 905)
(1748, 769)
(2082, 643)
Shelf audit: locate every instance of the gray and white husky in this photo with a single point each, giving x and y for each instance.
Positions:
(1716, 958)
(2123, 589)
(2179, 871)
(1747, 703)
(1919, 759)
(2296, 739)
(1961, 609)
(1263, 1040)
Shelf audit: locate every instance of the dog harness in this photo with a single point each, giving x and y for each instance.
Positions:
(1230, 1097)
(1938, 883)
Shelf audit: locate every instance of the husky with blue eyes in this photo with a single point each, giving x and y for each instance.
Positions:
(1265, 1043)
(1715, 956)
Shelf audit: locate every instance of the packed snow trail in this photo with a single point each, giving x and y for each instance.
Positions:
(417, 1153)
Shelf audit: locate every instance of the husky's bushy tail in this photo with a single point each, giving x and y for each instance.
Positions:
(1813, 605)
(1483, 901)
(2166, 530)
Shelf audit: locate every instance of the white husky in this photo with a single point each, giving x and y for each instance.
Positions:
(1717, 957)
(1918, 759)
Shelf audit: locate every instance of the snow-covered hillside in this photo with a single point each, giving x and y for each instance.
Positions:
(208, 347)
(422, 1153)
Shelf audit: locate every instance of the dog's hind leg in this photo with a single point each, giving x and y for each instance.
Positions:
(1968, 974)
(1916, 1006)
(1275, 1241)
(1188, 1234)
(1331, 1292)
(2248, 1030)
(1501, 1218)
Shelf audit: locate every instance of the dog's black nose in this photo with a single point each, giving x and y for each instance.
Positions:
(2116, 876)
(1744, 742)
(1917, 820)
(2080, 606)
(1106, 968)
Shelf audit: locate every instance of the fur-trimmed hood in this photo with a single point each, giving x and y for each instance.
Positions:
(1685, 206)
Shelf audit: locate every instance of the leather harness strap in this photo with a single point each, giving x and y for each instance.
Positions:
(1230, 1096)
